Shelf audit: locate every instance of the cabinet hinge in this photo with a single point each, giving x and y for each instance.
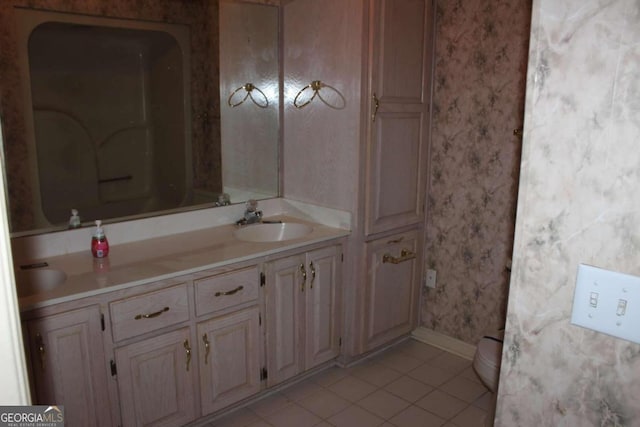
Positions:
(263, 374)
(262, 279)
(259, 319)
(102, 321)
(114, 371)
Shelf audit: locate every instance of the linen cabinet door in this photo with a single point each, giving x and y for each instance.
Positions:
(69, 367)
(284, 291)
(322, 328)
(398, 123)
(156, 379)
(229, 359)
(392, 288)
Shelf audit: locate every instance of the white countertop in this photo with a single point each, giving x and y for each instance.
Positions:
(145, 261)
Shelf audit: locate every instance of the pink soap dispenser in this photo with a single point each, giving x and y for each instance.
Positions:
(99, 243)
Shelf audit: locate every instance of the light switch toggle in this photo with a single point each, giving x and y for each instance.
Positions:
(593, 299)
(622, 307)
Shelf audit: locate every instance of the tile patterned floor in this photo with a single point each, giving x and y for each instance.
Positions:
(409, 385)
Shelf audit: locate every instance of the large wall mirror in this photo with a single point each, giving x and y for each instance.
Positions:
(122, 111)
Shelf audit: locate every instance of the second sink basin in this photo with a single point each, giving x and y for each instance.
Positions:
(30, 282)
(272, 232)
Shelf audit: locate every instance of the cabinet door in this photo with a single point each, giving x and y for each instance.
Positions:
(229, 358)
(392, 288)
(156, 380)
(398, 124)
(69, 367)
(285, 281)
(322, 306)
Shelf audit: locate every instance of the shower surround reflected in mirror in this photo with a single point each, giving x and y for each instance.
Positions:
(123, 118)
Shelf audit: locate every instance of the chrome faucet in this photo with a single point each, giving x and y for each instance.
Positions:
(251, 214)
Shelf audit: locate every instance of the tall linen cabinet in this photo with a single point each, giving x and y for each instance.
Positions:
(368, 156)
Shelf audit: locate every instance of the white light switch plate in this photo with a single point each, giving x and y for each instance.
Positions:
(431, 279)
(607, 301)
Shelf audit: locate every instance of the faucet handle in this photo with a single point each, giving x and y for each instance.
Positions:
(251, 205)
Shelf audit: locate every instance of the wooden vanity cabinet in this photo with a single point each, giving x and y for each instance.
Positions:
(169, 352)
(156, 380)
(230, 344)
(156, 375)
(397, 141)
(393, 266)
(399, 87)
(302, 294)
(67, 365)
(213, 360)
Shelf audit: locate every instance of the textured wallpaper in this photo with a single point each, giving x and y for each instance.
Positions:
(480, 68)
(200, 15)
(579, 203)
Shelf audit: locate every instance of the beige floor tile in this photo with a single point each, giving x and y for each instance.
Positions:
(470, 374)
(442, 404)
(399, 361)
(431, 375)
(470, 417)
(324, 403)
(376, 374)
(355, 416)
(292, 415)
(352, 388)
(464, 389)
(408, 388)
(383, 404)
(451, 362)
(269, 404)
(329, 376)
(240, 418)
(301, 390)
(419, 350)
(416, 417)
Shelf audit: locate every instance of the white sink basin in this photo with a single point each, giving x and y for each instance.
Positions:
(30, 282)
(272, 232)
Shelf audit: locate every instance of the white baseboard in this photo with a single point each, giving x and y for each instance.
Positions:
(444, 342)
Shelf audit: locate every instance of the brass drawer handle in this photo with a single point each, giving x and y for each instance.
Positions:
(376, 105)
(405, 255)
(313, 273)
(187, 350)
(304, 276)
(207, 348)
(231, 292)
(41, 352)
(151, 315)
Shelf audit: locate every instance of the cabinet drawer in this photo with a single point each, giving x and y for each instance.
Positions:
(147, 312)
(226, 290)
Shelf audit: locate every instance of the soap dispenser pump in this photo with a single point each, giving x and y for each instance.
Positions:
(99, 243)
(74, 220)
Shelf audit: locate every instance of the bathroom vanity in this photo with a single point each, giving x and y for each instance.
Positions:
(169, 338)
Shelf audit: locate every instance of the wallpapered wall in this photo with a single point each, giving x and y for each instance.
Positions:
(578, 204)
(201, 17)
(481, 59)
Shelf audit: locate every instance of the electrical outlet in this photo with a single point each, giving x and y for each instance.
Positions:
(431, 279)
(607, 301)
